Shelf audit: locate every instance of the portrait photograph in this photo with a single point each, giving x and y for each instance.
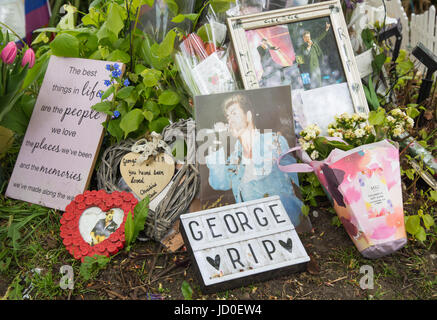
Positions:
(240, 136)
(96, 225)
(311, 54)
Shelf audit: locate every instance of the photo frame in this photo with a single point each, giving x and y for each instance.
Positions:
(273, 48)
(94, 223)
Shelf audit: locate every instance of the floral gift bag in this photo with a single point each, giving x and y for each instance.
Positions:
(365, 185)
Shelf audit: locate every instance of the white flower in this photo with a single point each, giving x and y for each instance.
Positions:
(391, 119)
(396, 112)
(360, 133)
(363, 116)
(355, 117)
(397, 131)
(306, 146)
(314, 155)
(345, 116)
(338, 135)
(331, 132)
(410, 122)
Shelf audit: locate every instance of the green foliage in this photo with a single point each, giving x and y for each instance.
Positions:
(371, 95)
(91, 266)
(187, 291)
(134, 225)
(310, 188)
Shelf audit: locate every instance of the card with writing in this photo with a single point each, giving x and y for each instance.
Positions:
(64, 134)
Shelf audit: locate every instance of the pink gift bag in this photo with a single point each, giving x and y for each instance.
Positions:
(365, 186)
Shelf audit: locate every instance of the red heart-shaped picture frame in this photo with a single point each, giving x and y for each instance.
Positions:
(70, 229)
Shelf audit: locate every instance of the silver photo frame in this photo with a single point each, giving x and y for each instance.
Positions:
(313, 102)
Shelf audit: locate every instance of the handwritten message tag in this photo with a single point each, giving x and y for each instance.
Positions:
(59, 149)
(237, 245)
(147, 179)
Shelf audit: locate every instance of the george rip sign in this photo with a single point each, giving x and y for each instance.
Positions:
(243, 243)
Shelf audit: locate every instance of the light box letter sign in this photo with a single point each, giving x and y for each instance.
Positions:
(236, 245)
(61, 142)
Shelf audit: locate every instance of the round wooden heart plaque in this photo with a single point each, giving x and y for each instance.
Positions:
(93, 223)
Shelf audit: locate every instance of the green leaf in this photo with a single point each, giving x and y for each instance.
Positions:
(428, 221)
(305, 210)
(118, 55)
(368, 38)
(134, 225)
(420, 234)
(42, 37)
(115, 18)
(433, 195)
(106, 33)
(139, 68)
(108, 92)
(141, 211)
(412, 111)
(151, 77)
(159, 124)
(148, 115)
(181, 17)
(91, 265)
(131, 121)
(220, 6)
(169, 97)
(376, 118)
(18, 118)
(378, 63)
(129, 230)
(92, 18)
(166, 46)
(65, 45)
(125, 92)
(172, 6)
(412, 224)
(114, 129)
(104, 106)
(152, 107)
(187, 291)
(205, 32)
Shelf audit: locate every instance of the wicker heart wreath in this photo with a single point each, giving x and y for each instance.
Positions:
(106, 236)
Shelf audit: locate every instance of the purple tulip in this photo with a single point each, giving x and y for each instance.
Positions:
(9, 53)
(28, 58)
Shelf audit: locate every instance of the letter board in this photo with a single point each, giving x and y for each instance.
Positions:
(243, 243)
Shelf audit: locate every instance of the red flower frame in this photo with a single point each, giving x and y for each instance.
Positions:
(73, 240)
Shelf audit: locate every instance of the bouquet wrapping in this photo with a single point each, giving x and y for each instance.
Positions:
(365, 187)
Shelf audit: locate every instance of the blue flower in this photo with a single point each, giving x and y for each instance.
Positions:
(116, 66)
(126, 82)
(116, 114)
(107, 83)
(108, 67)
(116, 73)
(99, 93)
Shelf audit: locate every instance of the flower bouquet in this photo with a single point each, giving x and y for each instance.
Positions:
(206, 60)
(360, 171)
(14, 66)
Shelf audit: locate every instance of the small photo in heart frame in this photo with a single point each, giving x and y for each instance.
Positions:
(93, 223)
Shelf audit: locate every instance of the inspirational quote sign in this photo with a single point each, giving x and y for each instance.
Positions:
(60, 145)
(247, 242)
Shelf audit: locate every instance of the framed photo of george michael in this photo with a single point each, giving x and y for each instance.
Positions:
(307, 47)
(239, 142)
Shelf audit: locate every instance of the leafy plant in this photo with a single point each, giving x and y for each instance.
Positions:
(92, 265)
(187, 291)
(134, 225)
(15, 78)
(155, 94)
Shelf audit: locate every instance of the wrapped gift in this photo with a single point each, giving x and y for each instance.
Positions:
(365, 186)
